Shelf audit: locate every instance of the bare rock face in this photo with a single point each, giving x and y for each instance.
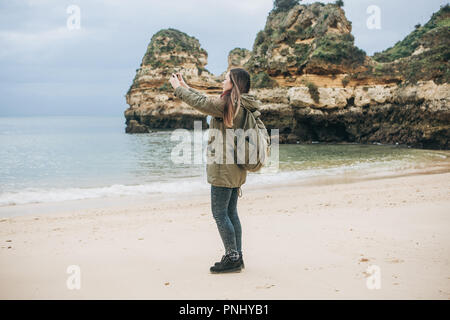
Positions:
(313, 82)
(136, 127)
(237, 58)
(416, 115)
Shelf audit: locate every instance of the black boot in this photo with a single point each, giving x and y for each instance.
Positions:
(240, 259)
(223, 257)
(226, 265)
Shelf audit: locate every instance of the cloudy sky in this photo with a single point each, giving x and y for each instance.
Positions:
(47, 68)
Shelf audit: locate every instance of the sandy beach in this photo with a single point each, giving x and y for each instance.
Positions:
(320, 240)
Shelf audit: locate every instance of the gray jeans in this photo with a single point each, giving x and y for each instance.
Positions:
(224, 209)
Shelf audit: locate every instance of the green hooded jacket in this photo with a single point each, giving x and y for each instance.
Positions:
(220, 174)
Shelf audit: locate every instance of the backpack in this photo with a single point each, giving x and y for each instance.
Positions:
(258, 148)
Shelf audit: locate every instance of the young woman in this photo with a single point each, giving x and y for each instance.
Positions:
(225, 179)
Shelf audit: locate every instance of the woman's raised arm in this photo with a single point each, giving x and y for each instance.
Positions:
(212, 106)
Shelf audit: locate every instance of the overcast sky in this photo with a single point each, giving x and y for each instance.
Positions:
(48, 69)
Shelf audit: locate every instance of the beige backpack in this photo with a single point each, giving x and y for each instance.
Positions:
(257, 145)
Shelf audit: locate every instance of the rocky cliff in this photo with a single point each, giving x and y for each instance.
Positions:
(150, 96)
(315, 84)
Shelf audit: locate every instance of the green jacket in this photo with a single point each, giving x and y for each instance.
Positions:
(220, 174)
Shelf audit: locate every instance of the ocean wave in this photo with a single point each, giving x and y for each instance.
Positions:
(187, 185)
(55, 195)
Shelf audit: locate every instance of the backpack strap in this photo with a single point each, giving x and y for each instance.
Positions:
(256, 113)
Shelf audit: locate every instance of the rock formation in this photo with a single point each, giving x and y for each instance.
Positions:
(150, 96)
(315, 84)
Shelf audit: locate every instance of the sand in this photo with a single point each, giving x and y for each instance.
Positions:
(300, 241)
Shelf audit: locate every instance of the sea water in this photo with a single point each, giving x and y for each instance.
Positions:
(48, 159)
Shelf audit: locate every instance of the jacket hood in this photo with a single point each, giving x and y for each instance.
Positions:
(250, 102)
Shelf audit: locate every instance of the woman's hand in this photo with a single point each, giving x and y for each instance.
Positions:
(182, 83)
(174, 81)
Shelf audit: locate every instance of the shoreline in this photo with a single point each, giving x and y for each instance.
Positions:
(355, 176)
(299, 242)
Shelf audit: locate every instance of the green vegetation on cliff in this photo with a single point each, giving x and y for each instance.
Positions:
(314, 38)
(338, 49)
(167, 51)
(424, 53)
(262, 80)
(313, 91)
(434, 32)
(171, 42)
(238, 57)
(284, 5)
